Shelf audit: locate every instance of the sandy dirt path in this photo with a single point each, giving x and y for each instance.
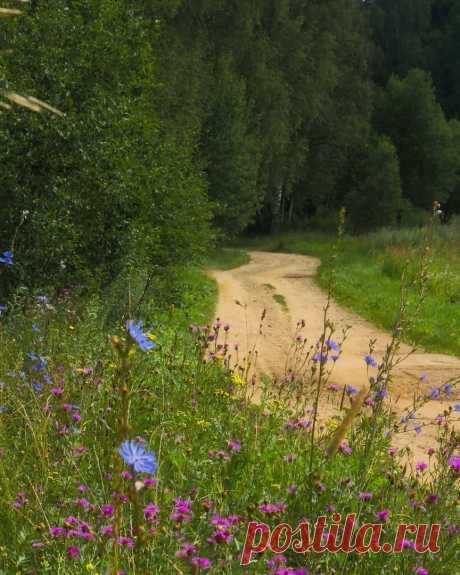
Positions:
(254, 285)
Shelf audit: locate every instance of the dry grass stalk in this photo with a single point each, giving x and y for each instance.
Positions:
(10, 12)
(341, 431)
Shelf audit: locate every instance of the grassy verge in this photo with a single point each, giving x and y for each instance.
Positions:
(369, 270)
(76, 385)
(226, 258)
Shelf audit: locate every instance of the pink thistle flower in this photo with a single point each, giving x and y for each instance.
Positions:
(107, 510)
(421, 466)
(201, 562)
(126, 542)
(345, 448)
(365, 496)
(57, 531)
(151, 511)
(234, 445)
(186, 550)
(73, 552)
(107, 530)
(454, 463)
(272, 508)
(383, 515)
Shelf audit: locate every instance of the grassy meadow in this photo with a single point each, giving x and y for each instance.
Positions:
(78, 383)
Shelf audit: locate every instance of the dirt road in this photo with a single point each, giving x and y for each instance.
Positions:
(283, 285)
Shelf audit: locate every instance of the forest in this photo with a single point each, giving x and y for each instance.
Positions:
(188, 123)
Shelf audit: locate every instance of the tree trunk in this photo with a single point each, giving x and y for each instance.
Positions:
(276, 209)
(291, 210)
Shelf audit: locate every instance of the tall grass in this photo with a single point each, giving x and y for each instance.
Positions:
(71, 396)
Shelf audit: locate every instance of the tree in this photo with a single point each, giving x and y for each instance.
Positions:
(376, 199)
(407, 112)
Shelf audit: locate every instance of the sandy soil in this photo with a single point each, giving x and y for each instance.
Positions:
(253, 287)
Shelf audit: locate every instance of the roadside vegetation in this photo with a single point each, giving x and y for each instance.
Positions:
(137, 448)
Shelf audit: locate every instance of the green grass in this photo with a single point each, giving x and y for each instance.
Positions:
(281, 300)
(67, 409)
(369, 270)
(226, 258)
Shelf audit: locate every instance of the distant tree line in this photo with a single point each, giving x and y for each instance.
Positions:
(190, 120)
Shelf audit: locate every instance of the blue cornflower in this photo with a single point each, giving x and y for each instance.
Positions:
(331, 344)
(320, 357)
(447, 388)
(457, 407)
(370, 361)
(418, 429)
(39, 361)
(37, 387)
(42, 299)
(7, 259)
(3, 409)
(351, 390)
(381, 394)
(434, 393)
(135, 331)
(134, 454)
(2, 308)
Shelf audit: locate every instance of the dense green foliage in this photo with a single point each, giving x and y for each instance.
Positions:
(179, 113)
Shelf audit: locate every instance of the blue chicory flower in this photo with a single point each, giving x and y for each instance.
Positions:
(135, 331)
(7, 259)
(134, 454)
(370, 361)
(447, 388)
(331, 344)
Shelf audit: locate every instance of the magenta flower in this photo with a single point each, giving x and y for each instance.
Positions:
(107, 510)
(383, 515)
(186, 550)
(73, 552)
(432, 499)
(345, 448)
(365, 496)
(57, 531)
(234, 445)
(421, 571)
(421, 466)
(201, 562)
(182, 510)
(454, 462)
(126, 542)
(272, 508)
(151, 511)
